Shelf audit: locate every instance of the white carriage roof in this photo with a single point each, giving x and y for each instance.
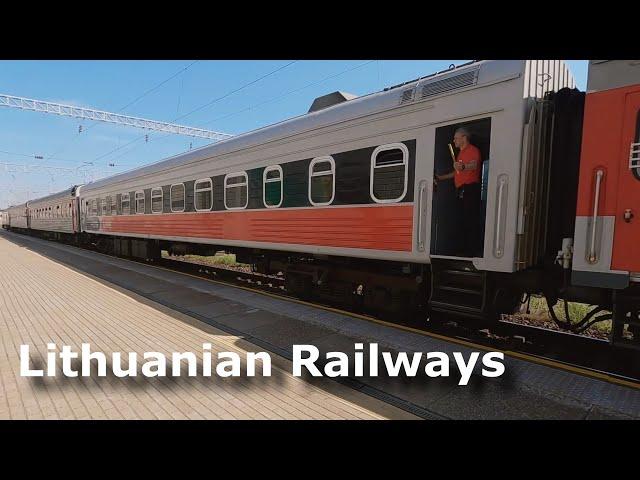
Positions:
(488, 72)
(54, 196)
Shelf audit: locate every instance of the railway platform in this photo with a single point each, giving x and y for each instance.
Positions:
(44, 301)
(55, 292)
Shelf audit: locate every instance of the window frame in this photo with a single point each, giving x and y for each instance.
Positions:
(237, 185)
(405, 162)
(161, 199)
(184, 196)
(144, 206)
(324, 158)
(196, 191)
(128, 195)
(107, 204)
(268, 169)
(113, 205)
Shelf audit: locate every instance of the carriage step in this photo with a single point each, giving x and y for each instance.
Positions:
(457, 288)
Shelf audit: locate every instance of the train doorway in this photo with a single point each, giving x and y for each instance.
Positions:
(452, 234)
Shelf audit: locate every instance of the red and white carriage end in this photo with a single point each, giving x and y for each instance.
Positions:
(608, 209)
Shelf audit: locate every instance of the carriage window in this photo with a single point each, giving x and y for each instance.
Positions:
(113, 204)
(203, 195)
(124, 204)
(57, 210)
(389, 173)
(177, 197)
(322, 171)
(139, 202)
(156, 200)
(103, 204)
(235, 191)
(272, 188)
(107, 204)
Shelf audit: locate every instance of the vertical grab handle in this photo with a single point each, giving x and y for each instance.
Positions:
(594, 222)
(498, 246)
(423, 188)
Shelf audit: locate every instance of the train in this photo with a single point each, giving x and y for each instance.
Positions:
(343, 200)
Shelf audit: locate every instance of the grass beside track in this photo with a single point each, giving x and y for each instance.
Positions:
(220, 259)
(539, 316)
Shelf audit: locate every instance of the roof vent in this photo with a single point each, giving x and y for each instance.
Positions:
(453, 82)
(330, 100)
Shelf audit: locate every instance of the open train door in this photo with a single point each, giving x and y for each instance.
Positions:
(627, 222)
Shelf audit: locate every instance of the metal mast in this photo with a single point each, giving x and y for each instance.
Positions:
(108, 117)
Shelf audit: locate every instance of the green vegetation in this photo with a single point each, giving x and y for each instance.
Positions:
(219, 259)
(577, 311)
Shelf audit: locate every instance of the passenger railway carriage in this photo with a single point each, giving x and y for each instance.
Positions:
(342, 200)
(17, 217)
(55, 215)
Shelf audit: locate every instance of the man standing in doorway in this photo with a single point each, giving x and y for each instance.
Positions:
(466, 175)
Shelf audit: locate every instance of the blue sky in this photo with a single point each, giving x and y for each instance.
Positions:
(286, 91)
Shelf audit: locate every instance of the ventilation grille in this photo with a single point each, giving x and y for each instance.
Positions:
(407, 96)
(452, 83)
(634, 156)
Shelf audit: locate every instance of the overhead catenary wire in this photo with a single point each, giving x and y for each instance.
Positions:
(279, 97)
(77, 135)
(215, 100)
(158, 85)
(291, 92)
(253, 82)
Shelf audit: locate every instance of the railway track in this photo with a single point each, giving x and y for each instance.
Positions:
(577, 353)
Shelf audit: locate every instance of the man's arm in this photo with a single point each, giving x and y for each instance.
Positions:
(473, 164)
(446, 176)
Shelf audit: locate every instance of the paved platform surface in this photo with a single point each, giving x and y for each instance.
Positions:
(526, 390)
(43, 301)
